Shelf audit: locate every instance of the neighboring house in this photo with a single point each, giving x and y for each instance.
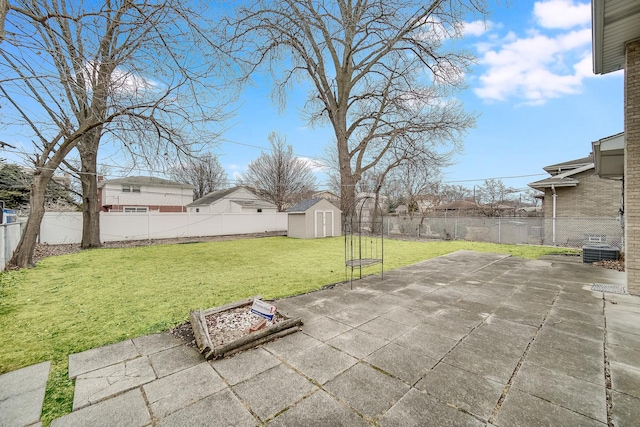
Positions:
(143, 194)
(578, 206)
(458, 208)
(616, 45)
(575, 191)
(232, 200)
(328, 195)
(402, 210)
(314, 218)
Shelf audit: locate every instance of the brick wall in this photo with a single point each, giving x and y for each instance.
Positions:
(593, 197)
(632, 165)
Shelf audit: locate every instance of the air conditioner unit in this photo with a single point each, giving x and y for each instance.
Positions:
(593, 253)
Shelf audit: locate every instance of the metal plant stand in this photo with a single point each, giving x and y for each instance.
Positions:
(363, 238)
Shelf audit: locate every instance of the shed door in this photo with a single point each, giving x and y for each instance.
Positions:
(320, 227)
(324, 223)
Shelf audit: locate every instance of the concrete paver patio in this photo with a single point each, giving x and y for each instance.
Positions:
(465, 339)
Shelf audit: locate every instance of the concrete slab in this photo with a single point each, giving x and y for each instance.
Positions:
(508, 327)
(462, 389)
(576, 329)
(442, 326)
(407, 317)
(593, 318)
(623, 339)
(422, 340)
(521, 303)
(244, 365)
(175, 359)
(624, 355)
(324, 328)
(518, 315)
(482, 309)
(222, 408)
(490, 363)
(321, 363)
(22, 394)
(318, 410)
(571, 393)
(155, 343)
(401, 362)
(181, 389)
(367, 390)
(357, 343)
(416, 409)
(291, 344)
(556, 339)
(625, 409)
(97, 385)
(522, 409)
(384, 328)
(625, 378)
(354, 316)
(273, 391)
(575, 365)
(127, 409)
(97, 358)
(622, 320)
(488, 337)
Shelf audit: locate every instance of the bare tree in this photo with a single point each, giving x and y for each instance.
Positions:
(279, 176)
(413, 181)
(121, 68)
(205, 173)
(492, 193)
(382, 73)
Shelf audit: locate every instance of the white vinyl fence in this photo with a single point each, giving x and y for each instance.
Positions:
(66, 227)
(9, 239)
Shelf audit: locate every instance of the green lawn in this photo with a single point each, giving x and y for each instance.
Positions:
(72, 303)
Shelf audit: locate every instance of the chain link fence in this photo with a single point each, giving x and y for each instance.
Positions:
(566, 232)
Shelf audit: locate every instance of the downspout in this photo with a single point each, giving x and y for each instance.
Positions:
(553, 226)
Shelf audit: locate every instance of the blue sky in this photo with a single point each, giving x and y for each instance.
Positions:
(538, 101)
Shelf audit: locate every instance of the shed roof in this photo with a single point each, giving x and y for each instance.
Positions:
(303, 205)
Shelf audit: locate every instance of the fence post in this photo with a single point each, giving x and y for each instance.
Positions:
(499, 229)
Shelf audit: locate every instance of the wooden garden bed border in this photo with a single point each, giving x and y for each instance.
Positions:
(210, 351)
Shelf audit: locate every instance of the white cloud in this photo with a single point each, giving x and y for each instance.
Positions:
(539, 65)
(123, 83)
(316, 166)
(562, 14)
(476, 28)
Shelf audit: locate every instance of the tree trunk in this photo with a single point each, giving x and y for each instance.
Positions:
(23, 255)
(88, 149)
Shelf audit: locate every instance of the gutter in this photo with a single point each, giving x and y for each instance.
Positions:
(553, 189)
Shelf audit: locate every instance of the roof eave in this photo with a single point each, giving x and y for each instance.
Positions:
(597, 34)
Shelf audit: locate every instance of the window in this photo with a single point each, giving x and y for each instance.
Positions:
(130, 188)
(259, 210)
(136, 209)
(197, 210)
